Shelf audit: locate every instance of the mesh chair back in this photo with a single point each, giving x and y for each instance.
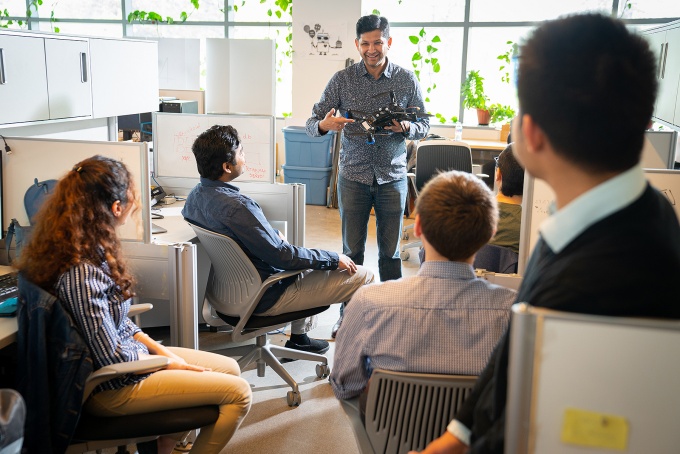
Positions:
(233, 281)
(406, 411)
(498, 259)
(439, 156)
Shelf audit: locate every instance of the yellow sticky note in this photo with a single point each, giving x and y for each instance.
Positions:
(597, 430)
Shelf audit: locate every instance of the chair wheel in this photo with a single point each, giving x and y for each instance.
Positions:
(293, 398)
(404, 255)
(213, 329)
(405, 236)
(322, 370)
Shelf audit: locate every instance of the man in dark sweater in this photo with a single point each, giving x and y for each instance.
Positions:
(586, 89)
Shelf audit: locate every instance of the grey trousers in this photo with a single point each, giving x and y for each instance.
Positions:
(314, 288)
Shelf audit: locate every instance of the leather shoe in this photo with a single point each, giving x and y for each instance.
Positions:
(336, 327)
(314, 346)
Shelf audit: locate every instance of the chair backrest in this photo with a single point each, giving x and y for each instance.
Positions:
(498, 259)
(406, 411)
(581, 383)
(234, 282)
(434, 156)
(12, 417)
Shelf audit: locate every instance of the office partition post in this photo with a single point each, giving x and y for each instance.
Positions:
(184, 295)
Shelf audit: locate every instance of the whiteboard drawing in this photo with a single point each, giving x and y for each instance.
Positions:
(324, 43)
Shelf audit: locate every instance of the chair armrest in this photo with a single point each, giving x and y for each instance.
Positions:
(137, 309)
(481, 175)
(106, 373)
(278, 276)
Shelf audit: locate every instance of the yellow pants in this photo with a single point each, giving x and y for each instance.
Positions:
(168, 389)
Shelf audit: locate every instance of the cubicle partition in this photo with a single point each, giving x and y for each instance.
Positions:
(166, 272)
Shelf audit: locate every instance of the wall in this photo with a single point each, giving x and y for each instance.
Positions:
(311, 70)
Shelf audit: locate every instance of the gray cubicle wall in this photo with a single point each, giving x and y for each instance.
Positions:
(46, 159)
(574, 378)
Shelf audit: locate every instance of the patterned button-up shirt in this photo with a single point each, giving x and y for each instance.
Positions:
(444, 320)
(355, 89)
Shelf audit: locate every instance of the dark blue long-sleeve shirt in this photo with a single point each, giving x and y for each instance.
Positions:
(220, 207)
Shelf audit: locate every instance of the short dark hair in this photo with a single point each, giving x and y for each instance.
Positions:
(458, 214)
(372, 22)
(213, 148)
(512, 173)
(590, 84)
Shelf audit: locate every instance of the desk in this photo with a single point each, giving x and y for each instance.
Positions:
(484, 151)
(8, 325)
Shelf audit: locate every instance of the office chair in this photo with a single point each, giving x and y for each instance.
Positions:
(591, 383)
(234, 290)
(495, 258)
(432, 157)
(91, 432)
(406, 411)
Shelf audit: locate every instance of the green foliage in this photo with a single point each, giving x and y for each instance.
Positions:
(425, 63)
(155, 18)
(505, 62)
(472, 90)
(500, 114)
(32, 6)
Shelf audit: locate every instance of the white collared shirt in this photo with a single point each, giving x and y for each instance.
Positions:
(562, 227)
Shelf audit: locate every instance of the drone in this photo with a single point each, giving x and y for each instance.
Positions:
(373, 124)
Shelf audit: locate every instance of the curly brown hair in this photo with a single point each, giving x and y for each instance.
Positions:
(76, 224)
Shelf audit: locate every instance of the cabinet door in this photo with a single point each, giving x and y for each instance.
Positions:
(124, 76)
(671, 78)
(657, 43)
(68, 78)
(669, 73)
(23, 79)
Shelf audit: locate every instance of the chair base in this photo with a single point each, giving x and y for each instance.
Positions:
(266, 354)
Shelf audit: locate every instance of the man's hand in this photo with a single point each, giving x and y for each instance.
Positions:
(399, 126)
(346, 263)
(333, 123)
(446, 444)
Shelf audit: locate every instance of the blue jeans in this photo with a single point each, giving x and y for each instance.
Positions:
(355, 201)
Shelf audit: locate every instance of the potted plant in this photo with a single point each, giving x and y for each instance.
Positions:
(472, 90)
(502, 115)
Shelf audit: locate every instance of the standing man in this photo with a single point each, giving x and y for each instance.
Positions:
(586, 89)
(371, 175)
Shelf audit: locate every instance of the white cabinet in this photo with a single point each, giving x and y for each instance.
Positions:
(54, 77)
(43, 78)
(68, 78)
(23, 79)
(665, 43)
(124, 76)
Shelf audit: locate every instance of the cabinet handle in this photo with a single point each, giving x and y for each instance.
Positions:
(83, 67)
(3, 79)
(658, 75)
(665, 56)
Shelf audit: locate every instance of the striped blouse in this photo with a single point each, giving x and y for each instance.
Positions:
(100, 312)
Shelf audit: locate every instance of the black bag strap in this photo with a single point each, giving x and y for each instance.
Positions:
(8, 238)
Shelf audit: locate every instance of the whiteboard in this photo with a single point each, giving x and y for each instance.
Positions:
(46, 159)
(536, 200)
(174, 134)
(597, 364)
(668, 183)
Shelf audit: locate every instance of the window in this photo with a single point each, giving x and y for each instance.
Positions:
(474, 43)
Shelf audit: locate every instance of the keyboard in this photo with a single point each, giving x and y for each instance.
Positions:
(8, 286)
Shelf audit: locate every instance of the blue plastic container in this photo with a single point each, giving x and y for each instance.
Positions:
(315, 179)
(305, 151)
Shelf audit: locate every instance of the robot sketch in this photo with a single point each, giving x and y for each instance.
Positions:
(320, 41)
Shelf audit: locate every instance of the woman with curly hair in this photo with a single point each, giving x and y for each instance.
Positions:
(76, 255)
